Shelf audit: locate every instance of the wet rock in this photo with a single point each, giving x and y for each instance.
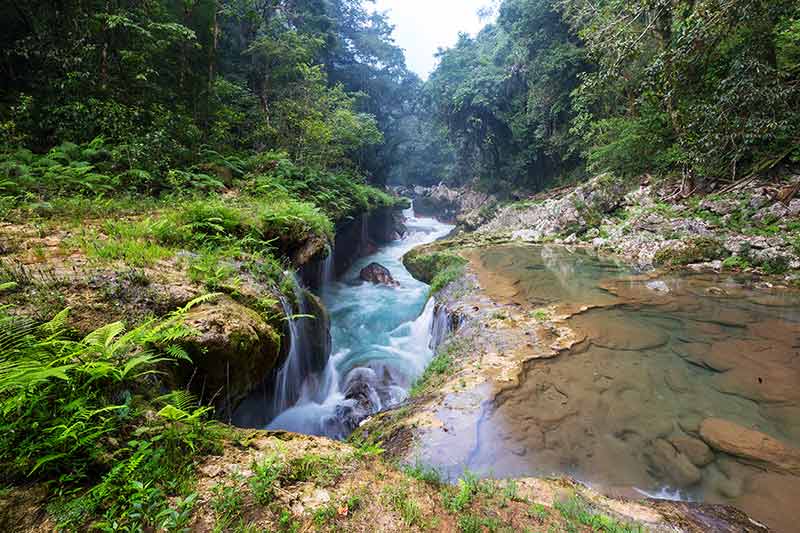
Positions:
(739, 441)
(694, 449)
(677, 380)
(613, 331)
(378, 274)
(318, 333)
(571, 239)
(313, 248)
(668, 462)
(714, 266)
(233, 349)
(658, 286)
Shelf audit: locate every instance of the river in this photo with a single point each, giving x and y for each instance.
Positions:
(380, 339)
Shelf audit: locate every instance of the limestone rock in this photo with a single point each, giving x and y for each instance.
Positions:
(722, 206)
(694, 449)
(378, 274)
(772, 213)
(233, 349)
(672, 464)
(739, 441)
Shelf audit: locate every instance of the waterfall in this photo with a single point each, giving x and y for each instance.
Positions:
(409, 213)
(292, 374)
(328, 269)
(382, 342)
(440, 328)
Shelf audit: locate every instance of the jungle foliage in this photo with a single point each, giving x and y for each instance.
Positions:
(559, 89)
(164, 83)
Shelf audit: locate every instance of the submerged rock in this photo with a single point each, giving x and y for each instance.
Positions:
(694, 449)
(672, 464)
(378, 274)
(750, 444)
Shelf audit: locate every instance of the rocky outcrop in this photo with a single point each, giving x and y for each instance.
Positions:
(232, 350)
(465, 206)
(378, 274)
(749, 444)
(650, 225)
(572, 213)
(362, 235)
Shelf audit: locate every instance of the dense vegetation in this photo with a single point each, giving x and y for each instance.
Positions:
(168, 85)
(560, 89)
(213, 138)
(205, 140)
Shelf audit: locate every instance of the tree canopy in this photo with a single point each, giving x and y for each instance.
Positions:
(162, 79)
(556, 89)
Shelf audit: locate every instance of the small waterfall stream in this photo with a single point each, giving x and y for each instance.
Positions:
(289, 378)
(328, 269)
(381, 343)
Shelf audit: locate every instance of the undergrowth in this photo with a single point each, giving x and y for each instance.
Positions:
(88, 417)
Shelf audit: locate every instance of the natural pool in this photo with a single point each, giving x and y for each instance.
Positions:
(670, 371)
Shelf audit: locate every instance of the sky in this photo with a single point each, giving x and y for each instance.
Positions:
(423, 26)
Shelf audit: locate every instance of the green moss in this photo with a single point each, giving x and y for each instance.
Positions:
(428, 266)
(577, 512)
(441, 365)
(697, 250)
(736, 262)
(446, 277)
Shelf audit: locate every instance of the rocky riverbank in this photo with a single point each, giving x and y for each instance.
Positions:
(514, 317)
(105, 270)
(753, 227)
(741, 243)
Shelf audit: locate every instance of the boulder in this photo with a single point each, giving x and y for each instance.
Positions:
(232, 350)
(722, 206)
(770, 214)
(378, 274)
(694, 449)
(669, 463)
(745, 443)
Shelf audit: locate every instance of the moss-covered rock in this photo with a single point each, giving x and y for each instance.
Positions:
(693, 251)
(232, 351)
(425, 265)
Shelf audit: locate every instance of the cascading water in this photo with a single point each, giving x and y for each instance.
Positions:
(291, 375)
(381, 342)
(328, 269)
(440, 328)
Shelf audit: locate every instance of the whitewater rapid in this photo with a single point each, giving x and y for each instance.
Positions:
(381, 341)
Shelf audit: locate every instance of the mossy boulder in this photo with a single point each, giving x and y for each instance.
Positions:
(233, 349)
(425, 265)
(689, 252)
